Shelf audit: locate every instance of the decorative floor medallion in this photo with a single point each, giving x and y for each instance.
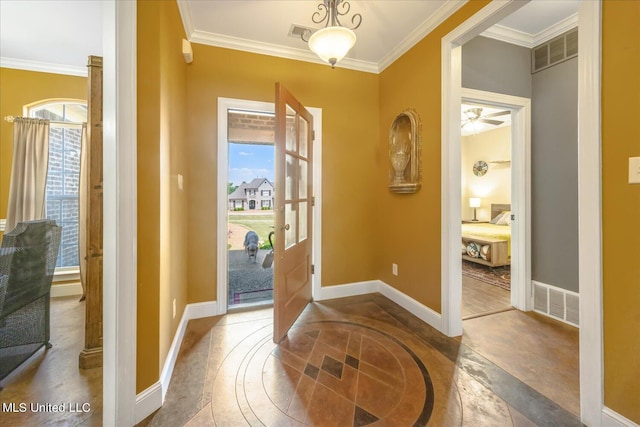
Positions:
(326, 373)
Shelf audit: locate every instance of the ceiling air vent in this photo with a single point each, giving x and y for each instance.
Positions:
(296, 31)
(555, 51)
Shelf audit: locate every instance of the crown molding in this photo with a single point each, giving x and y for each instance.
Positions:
(43, 67)
(557, 29)
(185, 13)
(508, 35)
(437, 18)
(220, 40)
(262, 48)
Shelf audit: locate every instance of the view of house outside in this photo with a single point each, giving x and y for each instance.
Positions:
(251, 192)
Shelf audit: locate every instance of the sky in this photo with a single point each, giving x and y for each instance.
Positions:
(249, 161)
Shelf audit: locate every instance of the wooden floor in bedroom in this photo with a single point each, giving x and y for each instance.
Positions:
(481, 299)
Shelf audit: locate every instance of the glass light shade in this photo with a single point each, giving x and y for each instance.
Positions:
(474, 202)
(331, 44)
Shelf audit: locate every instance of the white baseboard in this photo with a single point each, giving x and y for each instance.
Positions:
(148, 401)
(66, 290)
(610, 418)
(421, 311)
(152, 398)
(416, 308)
(199, 310)
(348, 290)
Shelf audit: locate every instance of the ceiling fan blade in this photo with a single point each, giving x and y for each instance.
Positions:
(499, 113)
(491, 122)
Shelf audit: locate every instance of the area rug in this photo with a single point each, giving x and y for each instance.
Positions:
(496, 276)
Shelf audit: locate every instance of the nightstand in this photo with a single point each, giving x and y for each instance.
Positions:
(468, 221)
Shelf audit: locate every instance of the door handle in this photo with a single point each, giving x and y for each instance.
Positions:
(286, 227)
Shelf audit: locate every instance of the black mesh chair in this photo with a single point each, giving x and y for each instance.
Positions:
(27, 262)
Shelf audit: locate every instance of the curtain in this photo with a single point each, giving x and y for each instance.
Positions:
(28, 171)
(83, 201)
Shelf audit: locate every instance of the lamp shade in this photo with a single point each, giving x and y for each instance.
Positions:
(474, 202)
(331, 44)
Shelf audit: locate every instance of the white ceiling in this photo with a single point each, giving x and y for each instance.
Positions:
(481, 127)
(58, 36)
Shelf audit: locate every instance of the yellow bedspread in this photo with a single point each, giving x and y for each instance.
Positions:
(502, 232)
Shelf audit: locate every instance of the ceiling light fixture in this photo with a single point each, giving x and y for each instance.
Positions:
(334, 41)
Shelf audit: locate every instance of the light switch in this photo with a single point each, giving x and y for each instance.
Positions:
(634, 170)
(180, 182)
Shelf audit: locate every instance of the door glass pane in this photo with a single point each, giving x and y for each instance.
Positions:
(304, 130)
(291, 178)
(303, 221)
(290, 217)
(292, 136)
(303, 178)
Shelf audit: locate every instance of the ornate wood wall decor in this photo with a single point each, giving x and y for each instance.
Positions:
(91, 355)
(404, 153)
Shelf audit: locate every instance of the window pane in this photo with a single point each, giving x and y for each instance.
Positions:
(71, 183)
(304, 129)
(54, 184)
(303, 221)
(303, 179)
(60, 112)
(54, 210)
(291, 179)
(70, 210)
(292, 135)
(290, 215)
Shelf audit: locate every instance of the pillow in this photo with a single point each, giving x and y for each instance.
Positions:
(504, 218)
(485, 252)
(497, 218)
(464, 248)
(473, 250)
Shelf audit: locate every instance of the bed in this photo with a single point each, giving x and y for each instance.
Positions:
(487, 243)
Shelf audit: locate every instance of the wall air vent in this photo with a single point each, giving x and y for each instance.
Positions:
(555, 51)
(557, 303)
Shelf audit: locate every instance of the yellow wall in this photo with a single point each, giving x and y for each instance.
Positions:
(621, 206)
(349, 102)
(495, 185)
(409, 225)
(162, 208)
(19, 88)
(367, 230)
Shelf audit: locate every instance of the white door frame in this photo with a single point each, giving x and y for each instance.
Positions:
(224, 104)
(120, 213)
(589, 189)
(520, 197)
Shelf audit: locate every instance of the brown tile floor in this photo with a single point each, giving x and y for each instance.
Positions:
(356, 361)
(53, 377)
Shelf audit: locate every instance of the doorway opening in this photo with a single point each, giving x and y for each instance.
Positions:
(486, 209)
(250, 216)
(226, 142)
(590, 360)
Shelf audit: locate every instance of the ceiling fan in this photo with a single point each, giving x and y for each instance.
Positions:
(474, 116)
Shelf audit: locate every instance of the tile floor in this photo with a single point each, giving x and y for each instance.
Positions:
(364, 361)
(354, 361)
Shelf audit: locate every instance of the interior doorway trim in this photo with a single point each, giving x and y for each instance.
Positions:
(521, 293)
(120, 213)
(589, 191)
(224, 105)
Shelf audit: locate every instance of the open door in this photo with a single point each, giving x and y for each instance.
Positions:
(293, 211)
